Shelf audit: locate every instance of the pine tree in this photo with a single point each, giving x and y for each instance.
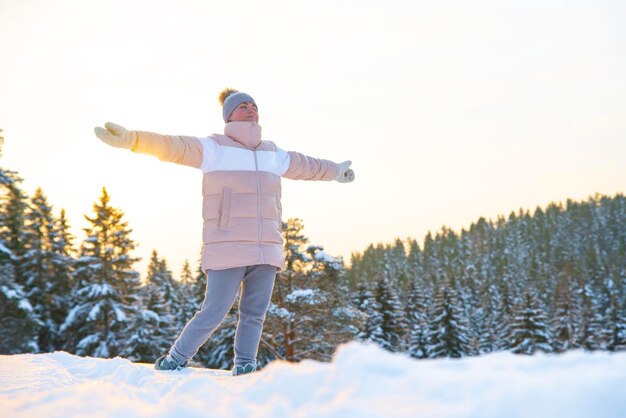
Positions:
(449, 328)
(617, 328)
(106, 293)
(161, 276)
(479, 332)
(199, 285)
(62, 270)
(280, 331)
(566, 321)
(330, 308)
(18, 322)
(417, 317)
(397, 265)
(364, 301)
(14, 202)
(415, 262)
(150, 332)
(390, 320)
(616, 317)
(153, 329)
(498, 317)
(310, 294)
(189, 303)
(46, 268)
(592, 334)
(530, 330)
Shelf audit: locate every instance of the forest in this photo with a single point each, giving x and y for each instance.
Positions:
(549, 280)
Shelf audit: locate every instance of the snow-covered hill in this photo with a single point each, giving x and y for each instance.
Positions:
(362, 381)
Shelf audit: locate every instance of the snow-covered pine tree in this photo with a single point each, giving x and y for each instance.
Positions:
(530, 331)
(63, 271)
(46, 269)
(188, 304)
(18, 323)
(449, 327)
(473, 283)
(145, 341)
(327, 307)
(153, 329)
(472, 286)
(596, 294)
(416, 311)
(483, 334)
(161, 276)
(498, 317)
(429, 262)
(306, 294)
(617, 327)
(479, 332)
(367, 304)
(14, 202)
(620, 329)
(566, 316)
(615, 316)
(449, 266)
(392, 322)
(354, 274)
(415, 264)
(592, 334)
(397, 265)
(280, 331)
(106, 294)
(199, 285)
(366, 267)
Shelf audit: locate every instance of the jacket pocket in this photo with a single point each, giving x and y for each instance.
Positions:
(225, 208)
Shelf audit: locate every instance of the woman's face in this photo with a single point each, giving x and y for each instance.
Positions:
(245, 112)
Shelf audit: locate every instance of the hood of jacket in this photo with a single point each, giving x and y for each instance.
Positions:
(247, 134)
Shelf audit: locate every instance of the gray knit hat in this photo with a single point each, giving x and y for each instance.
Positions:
(234, 100)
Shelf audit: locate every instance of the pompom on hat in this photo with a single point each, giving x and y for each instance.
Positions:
(230, 99)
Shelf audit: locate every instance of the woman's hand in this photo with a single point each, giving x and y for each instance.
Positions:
(345, 174)
(116, 135)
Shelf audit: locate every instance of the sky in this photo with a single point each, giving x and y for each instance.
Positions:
(448, 110)
(362, 381)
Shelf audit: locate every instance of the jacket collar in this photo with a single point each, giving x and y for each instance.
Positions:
(246, 133)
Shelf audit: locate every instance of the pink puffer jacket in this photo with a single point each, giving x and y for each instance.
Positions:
(241, 190)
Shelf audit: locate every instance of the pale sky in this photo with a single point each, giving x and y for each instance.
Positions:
(449, 110)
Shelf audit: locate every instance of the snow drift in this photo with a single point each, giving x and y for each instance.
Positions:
(362, 381)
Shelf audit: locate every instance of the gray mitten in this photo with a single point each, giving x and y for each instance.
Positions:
(345, 173)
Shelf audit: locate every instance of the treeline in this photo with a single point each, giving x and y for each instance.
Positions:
(552, 280)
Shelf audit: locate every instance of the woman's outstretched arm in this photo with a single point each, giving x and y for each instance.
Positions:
(186, 150)
(303, 167)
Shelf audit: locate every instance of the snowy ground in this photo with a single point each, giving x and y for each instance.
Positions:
(363, 381)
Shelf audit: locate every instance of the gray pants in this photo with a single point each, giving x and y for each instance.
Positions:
(256, 283)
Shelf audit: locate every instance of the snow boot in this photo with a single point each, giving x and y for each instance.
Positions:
(244, 369)
(168, 363)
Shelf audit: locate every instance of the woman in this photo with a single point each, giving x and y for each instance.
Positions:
(242, 240)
